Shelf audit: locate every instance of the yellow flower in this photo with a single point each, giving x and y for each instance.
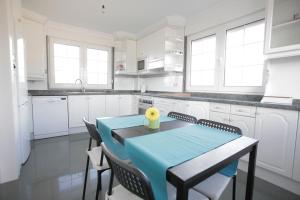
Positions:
(152, 114)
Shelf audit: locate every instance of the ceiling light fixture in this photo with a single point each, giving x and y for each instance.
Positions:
(103, 6)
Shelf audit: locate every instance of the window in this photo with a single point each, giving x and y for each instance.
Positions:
(97, 65)
(203, 56)
(70, 61)
(244, 55)
(228, 57)
(66, 63)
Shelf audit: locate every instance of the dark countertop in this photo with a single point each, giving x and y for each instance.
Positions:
(251, 101)
(77, 92)
(235, 99)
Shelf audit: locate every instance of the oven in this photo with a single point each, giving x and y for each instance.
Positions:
(144, 104)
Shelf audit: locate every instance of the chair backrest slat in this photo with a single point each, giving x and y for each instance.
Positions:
(183, 117)
(129, 176)
(220, 126)
(92, 130)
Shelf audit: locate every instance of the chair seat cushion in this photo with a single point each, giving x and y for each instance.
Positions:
(95, 157)
(213, 186)
(121, 193)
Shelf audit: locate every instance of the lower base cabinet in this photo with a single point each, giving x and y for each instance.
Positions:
(276, 131)
(219, 117)
(296, 171)
(96, 107)
(247, 126)
(78, 109)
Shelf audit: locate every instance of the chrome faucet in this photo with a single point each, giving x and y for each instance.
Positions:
(81, 84)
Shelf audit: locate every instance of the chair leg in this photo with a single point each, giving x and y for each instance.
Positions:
(233, 187)
(101, 159)
(98, 184)
(111, 180)
(85, 178)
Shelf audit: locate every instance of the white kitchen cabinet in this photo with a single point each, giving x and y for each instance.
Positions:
(135, 104)
(112, 105)
(247, 126)
(198, 109)
(78, 108)
(296, 170)
(219, 117)
(163, 49)
(163, 105)
(125, 105)
(96, 107)
(276, 131)
(282, 28)
(125, 56)
(220, 107)
(35, 48)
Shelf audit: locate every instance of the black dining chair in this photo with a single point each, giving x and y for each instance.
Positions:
(96, 156)
(183, 117)
(134, 184)
(214, 186)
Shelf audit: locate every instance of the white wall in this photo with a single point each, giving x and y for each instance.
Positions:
(9, 167)
(222, 12)
(284, 77)
(171, 83)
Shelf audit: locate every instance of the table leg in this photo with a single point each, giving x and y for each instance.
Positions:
(182, 193)
(251, 173)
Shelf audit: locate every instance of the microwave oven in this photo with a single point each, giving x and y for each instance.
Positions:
(141, 65)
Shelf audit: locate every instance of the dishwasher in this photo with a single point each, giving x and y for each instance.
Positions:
(50, 116)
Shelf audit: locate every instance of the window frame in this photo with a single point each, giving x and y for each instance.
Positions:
(82, 65)
(247, 89)
(195, 37)
(220, 32)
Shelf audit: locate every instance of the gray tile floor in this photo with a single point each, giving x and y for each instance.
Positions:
(55, 170)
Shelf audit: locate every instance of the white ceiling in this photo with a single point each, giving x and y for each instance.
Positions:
(127, 15)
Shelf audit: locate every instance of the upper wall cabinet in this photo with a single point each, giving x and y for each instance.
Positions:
(163, 49)
(283, 28)
(125, 56)
(35, 46)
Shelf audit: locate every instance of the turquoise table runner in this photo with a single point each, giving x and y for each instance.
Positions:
(106, 125)
(155, 153)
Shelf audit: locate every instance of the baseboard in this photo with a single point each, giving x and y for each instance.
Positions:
(77, 130)
(36, 137)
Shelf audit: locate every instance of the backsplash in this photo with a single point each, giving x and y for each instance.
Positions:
(171, 83)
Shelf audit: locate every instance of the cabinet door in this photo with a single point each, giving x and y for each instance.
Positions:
(200, 110)
(125, 105)
(296, 172)
(96, 107)
(219, 117)
(276, 131)
(78, 109)
(112, 105)
(35, 46)
(163, 105)
(247, 126)
(135, 104)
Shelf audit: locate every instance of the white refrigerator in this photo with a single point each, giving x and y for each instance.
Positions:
(25, 127)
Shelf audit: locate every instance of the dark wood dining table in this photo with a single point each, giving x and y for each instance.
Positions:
(190, 173)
